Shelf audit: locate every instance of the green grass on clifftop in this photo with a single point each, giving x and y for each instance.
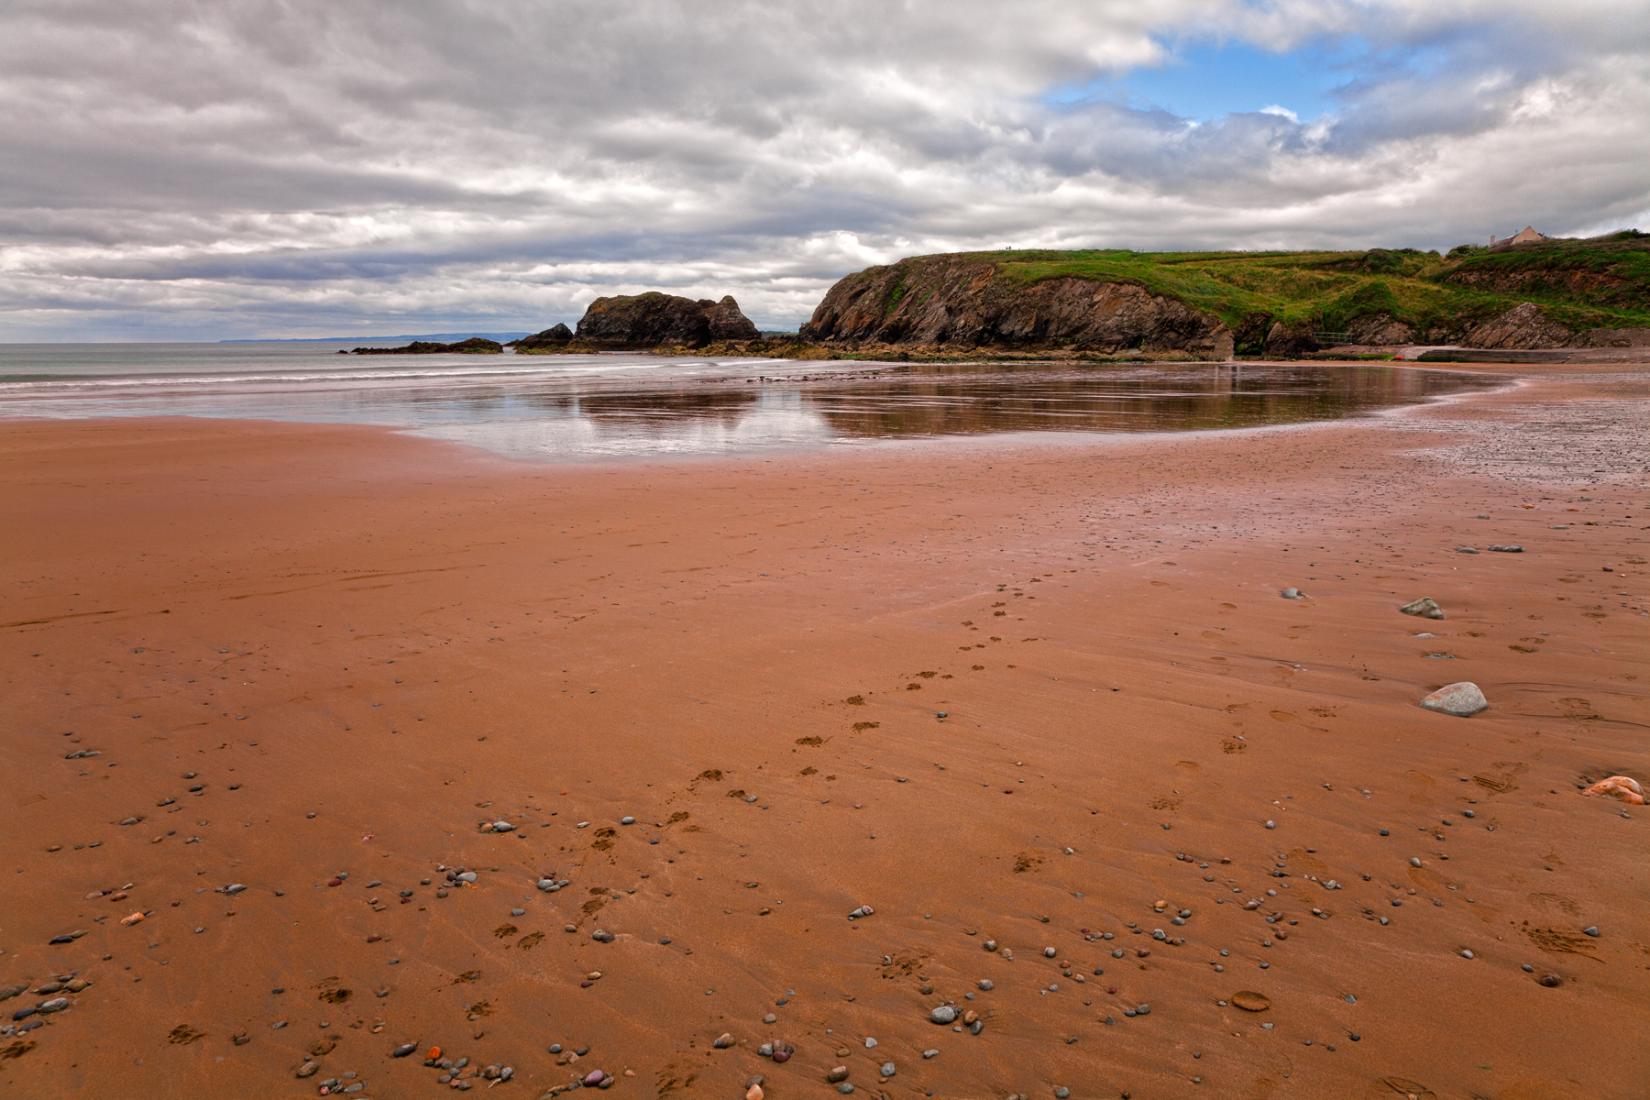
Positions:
(1599, 282)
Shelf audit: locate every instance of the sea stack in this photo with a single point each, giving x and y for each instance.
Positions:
(655, 319)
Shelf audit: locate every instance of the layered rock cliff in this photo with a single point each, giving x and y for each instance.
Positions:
(968, 301)
(635, 321)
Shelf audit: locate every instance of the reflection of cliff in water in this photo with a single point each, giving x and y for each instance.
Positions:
(665, 410)
(600, 407)
(969, 401)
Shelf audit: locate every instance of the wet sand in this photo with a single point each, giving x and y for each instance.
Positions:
(312, 661)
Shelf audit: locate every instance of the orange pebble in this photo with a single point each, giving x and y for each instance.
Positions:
(135, 918)
(1619, 786)
(432, 1054)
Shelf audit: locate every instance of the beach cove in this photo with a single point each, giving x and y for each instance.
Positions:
(596, 768)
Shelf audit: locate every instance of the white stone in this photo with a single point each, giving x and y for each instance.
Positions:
(1462, 700)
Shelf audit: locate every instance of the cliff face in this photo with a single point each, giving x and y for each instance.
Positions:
(1593, 291)
(966, 301)
(651, 319)
(1525, 325)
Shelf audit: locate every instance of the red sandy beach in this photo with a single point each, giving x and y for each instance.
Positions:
(313, 661)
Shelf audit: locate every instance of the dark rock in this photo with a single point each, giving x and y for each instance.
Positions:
(554, 338)
(475, 345)
(654, 319)
(1288, 341)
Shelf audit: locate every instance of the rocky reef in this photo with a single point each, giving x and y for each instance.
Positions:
(475, 345)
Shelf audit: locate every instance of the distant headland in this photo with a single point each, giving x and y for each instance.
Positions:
(1523, 293)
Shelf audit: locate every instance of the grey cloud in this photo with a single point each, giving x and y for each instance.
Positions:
(297, 166)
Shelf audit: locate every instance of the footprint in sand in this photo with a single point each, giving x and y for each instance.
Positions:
(1290, 716)
(1503, 778)
(1556, 941)
(1563, 904)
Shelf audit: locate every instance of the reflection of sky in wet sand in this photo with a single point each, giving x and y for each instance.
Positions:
(773, 421)
(567, 408)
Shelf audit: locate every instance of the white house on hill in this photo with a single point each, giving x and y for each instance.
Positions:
(1528, 235)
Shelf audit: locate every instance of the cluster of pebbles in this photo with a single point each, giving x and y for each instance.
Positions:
(58, 995)
(459, 1073)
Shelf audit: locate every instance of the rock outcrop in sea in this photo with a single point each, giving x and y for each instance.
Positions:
(654, 319)
(475, 345)
(554, 338)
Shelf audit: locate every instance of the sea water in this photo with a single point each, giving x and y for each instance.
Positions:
(572, 407)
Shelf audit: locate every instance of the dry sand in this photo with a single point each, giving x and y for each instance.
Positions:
(303, 653)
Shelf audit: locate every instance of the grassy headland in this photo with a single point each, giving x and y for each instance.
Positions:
(1601, 282)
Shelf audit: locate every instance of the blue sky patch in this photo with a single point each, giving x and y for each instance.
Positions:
(1206, 80)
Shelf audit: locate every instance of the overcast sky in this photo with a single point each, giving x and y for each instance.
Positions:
(198, 169)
